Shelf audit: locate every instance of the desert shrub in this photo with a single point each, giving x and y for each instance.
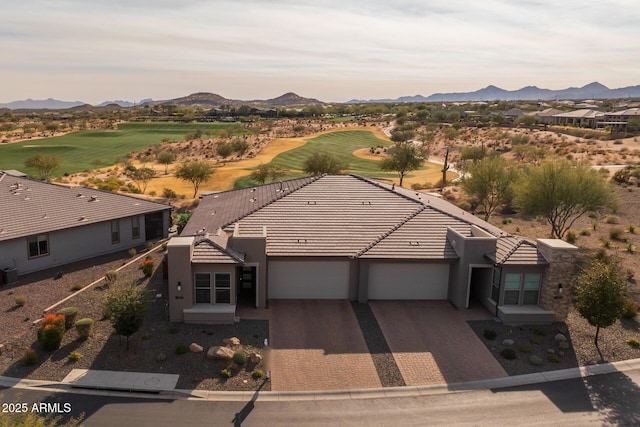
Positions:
(30, 358)
(161, 357)
(74, 356)
(51, 331)
(146, 267)
(239, 358)
(585, 232)
(535, 360)
(631, 228)
(77, 287)
(524, 348)
(226, 373)
(612, 220)
(616, 233)
(58, 275)
(148, 246)
(571, 236)
(630, 309)
(539, 332)
(70, 314)
(563, 345)
(181, 349)
(21, 300)
(606, 243)
(535, 340)
(508, 353)
(84, 327)
(164, 246)
(111, 276)
(631, 248)
(173, 329)
(507, 221)
(257, 374)
(490, 334)
(168, 193)
(553, 358)
(132, 252)
(633, 342)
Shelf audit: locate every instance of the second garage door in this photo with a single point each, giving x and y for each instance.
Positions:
(404, 281)
(308, 280)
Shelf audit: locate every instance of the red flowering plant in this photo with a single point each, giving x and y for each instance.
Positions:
(51, 331)
(147, 267)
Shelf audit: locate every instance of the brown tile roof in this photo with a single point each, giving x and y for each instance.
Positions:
(220, 209)
(336, 215)
(29, 207)
(346, 215)
(512, 250)
(209, 252)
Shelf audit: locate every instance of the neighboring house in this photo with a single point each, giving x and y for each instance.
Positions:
(618, 120)
(45, 225)
(582, 118)
(346, 237)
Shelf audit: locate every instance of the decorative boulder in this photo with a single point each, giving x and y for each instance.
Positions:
(195, 348)
(219, 352)
(551, 351)
(255, 358)
(560, 338)
(231, 342)
(507, 342)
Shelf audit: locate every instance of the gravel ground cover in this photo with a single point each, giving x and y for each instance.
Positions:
(383, 359)
(541, 340)
(152, 348)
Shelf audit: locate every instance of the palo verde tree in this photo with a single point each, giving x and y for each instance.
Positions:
(44, 163)
(489, 181)
(166, 158)
(125, 306)
(562, 191)
(141, 176)
(404, 158)
(321, 162)
(600, 293)
(195, 172)
(267, 171)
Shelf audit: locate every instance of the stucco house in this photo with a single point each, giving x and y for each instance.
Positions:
(347, 237)
(45, 225)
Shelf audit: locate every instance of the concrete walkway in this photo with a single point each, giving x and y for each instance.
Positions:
(244, 396)
(116, 380)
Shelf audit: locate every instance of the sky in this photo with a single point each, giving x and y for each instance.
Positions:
(332, 50)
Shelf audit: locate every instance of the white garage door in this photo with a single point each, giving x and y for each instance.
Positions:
(308, 280)
(408, 281)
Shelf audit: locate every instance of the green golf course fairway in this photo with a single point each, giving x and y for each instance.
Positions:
(90, 149)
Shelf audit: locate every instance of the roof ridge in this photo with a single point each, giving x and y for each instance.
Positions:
(261, 185)
(312, 179)
(377, 184)
(391, 230)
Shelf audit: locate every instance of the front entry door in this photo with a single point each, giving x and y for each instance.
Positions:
(246, 286)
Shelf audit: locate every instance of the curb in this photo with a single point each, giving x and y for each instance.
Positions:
(290, 396)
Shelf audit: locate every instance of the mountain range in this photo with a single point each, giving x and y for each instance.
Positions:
(593, 90)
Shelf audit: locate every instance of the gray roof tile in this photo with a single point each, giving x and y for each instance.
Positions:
(29, 207)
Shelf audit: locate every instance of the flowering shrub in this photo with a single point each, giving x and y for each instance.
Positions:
(51, 331)
(147, 267)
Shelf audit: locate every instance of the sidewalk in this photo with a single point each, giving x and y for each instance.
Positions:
(243, 396)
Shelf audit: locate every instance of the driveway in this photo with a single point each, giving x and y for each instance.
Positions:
(432, 343)
(318, 345)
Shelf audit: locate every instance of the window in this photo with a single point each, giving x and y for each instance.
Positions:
(203, 288)
(38, 245)
(115, 231)
(522, 292)
(495, 288)
(512, 289)
(531, 289)
(135, 227)
(223, 288)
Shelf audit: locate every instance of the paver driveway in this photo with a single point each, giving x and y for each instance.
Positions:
(318, 345)
(432, 343)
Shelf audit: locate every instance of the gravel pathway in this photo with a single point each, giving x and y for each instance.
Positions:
(383, 360)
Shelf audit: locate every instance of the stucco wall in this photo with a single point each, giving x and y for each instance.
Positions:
(70, 245)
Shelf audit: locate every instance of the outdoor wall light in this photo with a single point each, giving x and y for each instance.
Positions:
(179, 287)
(560, 289)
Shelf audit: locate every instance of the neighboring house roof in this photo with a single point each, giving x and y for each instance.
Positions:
(627, 112)
(29, 207)
(220, 209)
(512, 250)
(581, 114)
